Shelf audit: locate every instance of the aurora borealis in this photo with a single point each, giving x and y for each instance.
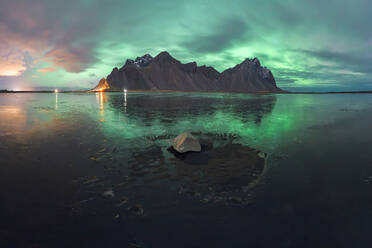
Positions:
(308, 45)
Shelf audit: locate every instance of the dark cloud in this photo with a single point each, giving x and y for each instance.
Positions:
(220, 37)
(72, 59)
(352, 61)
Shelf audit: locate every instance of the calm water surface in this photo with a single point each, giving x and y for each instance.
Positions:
(59, 154)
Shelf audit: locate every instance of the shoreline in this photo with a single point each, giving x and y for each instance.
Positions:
(176, 91)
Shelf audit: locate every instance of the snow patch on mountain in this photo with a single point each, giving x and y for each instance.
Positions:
(143, 61)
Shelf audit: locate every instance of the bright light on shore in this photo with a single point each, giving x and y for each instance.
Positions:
(125, 90)
(56, 91)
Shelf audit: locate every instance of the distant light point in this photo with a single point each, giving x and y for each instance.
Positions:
(56, 91)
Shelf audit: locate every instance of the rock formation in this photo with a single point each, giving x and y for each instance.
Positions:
(166, 73)
(102, 85)
(185, 142)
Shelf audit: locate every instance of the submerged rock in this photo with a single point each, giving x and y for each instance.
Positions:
(123, 201)
(185, 142)
(136, 210)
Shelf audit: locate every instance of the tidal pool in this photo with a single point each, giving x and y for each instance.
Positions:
(93, 170)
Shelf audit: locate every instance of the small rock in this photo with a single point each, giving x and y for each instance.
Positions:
(126, 178)
(102, 150)
(184, 190)
(235, 200)
(197, 195)
(181, 190)
(245, 189)
(207, 199)
(262, 155)
(136, 210)
(109, 193)
(94, 180)
(124, 201)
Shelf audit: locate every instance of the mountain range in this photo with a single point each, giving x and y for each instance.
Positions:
(163, 72)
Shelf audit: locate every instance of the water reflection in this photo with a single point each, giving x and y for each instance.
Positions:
(170, 114)
(102, 98)
(56, 106)
(13, 120)
(173, 107)
(97, 97)
(125, 100)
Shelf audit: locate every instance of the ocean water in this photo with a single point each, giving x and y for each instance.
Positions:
(74, 166)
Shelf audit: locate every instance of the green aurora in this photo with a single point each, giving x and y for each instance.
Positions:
(308, 45)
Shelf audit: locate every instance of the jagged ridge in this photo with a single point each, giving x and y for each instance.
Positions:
(166, 73)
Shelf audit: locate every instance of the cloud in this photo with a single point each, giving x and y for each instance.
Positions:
(222, 36)
(46, 31)
(47, 69)
(72, 59)
(16, 51)
(352, 61)
(285, 80)
(11, 66)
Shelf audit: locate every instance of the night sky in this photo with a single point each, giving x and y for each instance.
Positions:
(308, 44)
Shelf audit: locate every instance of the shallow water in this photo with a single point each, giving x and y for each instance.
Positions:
(60, 152)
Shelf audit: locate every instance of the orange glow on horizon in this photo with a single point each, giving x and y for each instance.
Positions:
(10, 73)
(102, 86)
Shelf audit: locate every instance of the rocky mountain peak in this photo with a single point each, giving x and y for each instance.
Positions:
(164, 57)
(163, 54)
(255, 62)
(143, 61)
